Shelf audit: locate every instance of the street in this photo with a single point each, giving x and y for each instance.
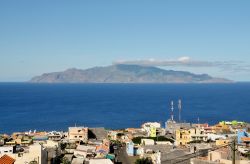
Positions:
(121, 155)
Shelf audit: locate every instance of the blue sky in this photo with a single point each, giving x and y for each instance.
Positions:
(46, 36)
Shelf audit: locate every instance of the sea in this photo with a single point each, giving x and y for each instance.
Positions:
(28, 106)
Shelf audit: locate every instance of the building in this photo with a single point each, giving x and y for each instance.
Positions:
(130, 148)
(182, 137)
(243, 137)
(82, 151)
(32, 153)
(103, 148)
(97, 133)
(100, 161)
(150, 128)
(198, 134)
(77, 161)
(152, 132)
(222, 142)
(54, 136)
(78, 134)
(185, 136)
(172, 126)
(20, 139)
(5, 159)
(7, 150)
(147, 142)
(214, 137)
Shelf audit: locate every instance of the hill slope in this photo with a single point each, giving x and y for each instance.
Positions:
(125, 74)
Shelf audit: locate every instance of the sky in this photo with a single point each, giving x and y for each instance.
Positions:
(208, 36)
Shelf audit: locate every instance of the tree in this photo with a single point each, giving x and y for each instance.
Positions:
(65, 160)
(137, 140)
(144, 161)
(63, 146)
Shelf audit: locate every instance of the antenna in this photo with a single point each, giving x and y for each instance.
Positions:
(179, 107)
(172, 110)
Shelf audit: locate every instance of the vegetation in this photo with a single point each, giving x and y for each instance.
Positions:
(137, 140)
(61, 159)
(248, 155)
(33, 162)
(63, 146)
(115, 142)
(144, 161)
(120, 134)
(65, 161)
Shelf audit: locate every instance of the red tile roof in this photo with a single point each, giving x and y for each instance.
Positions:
(245, 139)
(5, 159)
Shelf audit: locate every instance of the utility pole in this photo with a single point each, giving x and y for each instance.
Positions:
(233, 150)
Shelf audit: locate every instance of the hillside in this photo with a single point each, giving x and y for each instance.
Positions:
(125, 74)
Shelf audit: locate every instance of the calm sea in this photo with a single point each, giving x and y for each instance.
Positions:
(25, 106)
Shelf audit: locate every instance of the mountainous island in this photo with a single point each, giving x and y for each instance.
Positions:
(122, 73)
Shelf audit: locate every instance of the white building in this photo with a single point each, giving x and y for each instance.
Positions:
(147, 127)
(214, 137)
(6, 150)
(147, 142)
(34, 152)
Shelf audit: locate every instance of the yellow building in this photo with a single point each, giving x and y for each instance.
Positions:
(221, 142)
(184, 136)
(152, 132)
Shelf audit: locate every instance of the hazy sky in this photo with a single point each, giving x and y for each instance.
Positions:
(202, 36)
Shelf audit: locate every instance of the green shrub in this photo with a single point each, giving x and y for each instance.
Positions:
(144, 161)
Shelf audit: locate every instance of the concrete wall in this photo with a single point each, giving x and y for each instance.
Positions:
(36, 152)
(6, 150)
(78, 134)
(199, 161)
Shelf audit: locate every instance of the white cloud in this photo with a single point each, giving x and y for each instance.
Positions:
(186, 61)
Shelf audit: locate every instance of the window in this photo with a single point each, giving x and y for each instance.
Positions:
(75, 136)
(80, 136)
(79, 131)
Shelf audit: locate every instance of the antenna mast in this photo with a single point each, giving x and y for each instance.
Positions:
(179, 107)
(172, 110)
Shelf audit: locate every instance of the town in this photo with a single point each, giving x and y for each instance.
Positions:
(226, 142)
(177, 143)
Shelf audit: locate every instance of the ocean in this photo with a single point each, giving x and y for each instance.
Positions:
(26, 106)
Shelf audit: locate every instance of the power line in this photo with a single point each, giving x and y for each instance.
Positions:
(199, 153)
